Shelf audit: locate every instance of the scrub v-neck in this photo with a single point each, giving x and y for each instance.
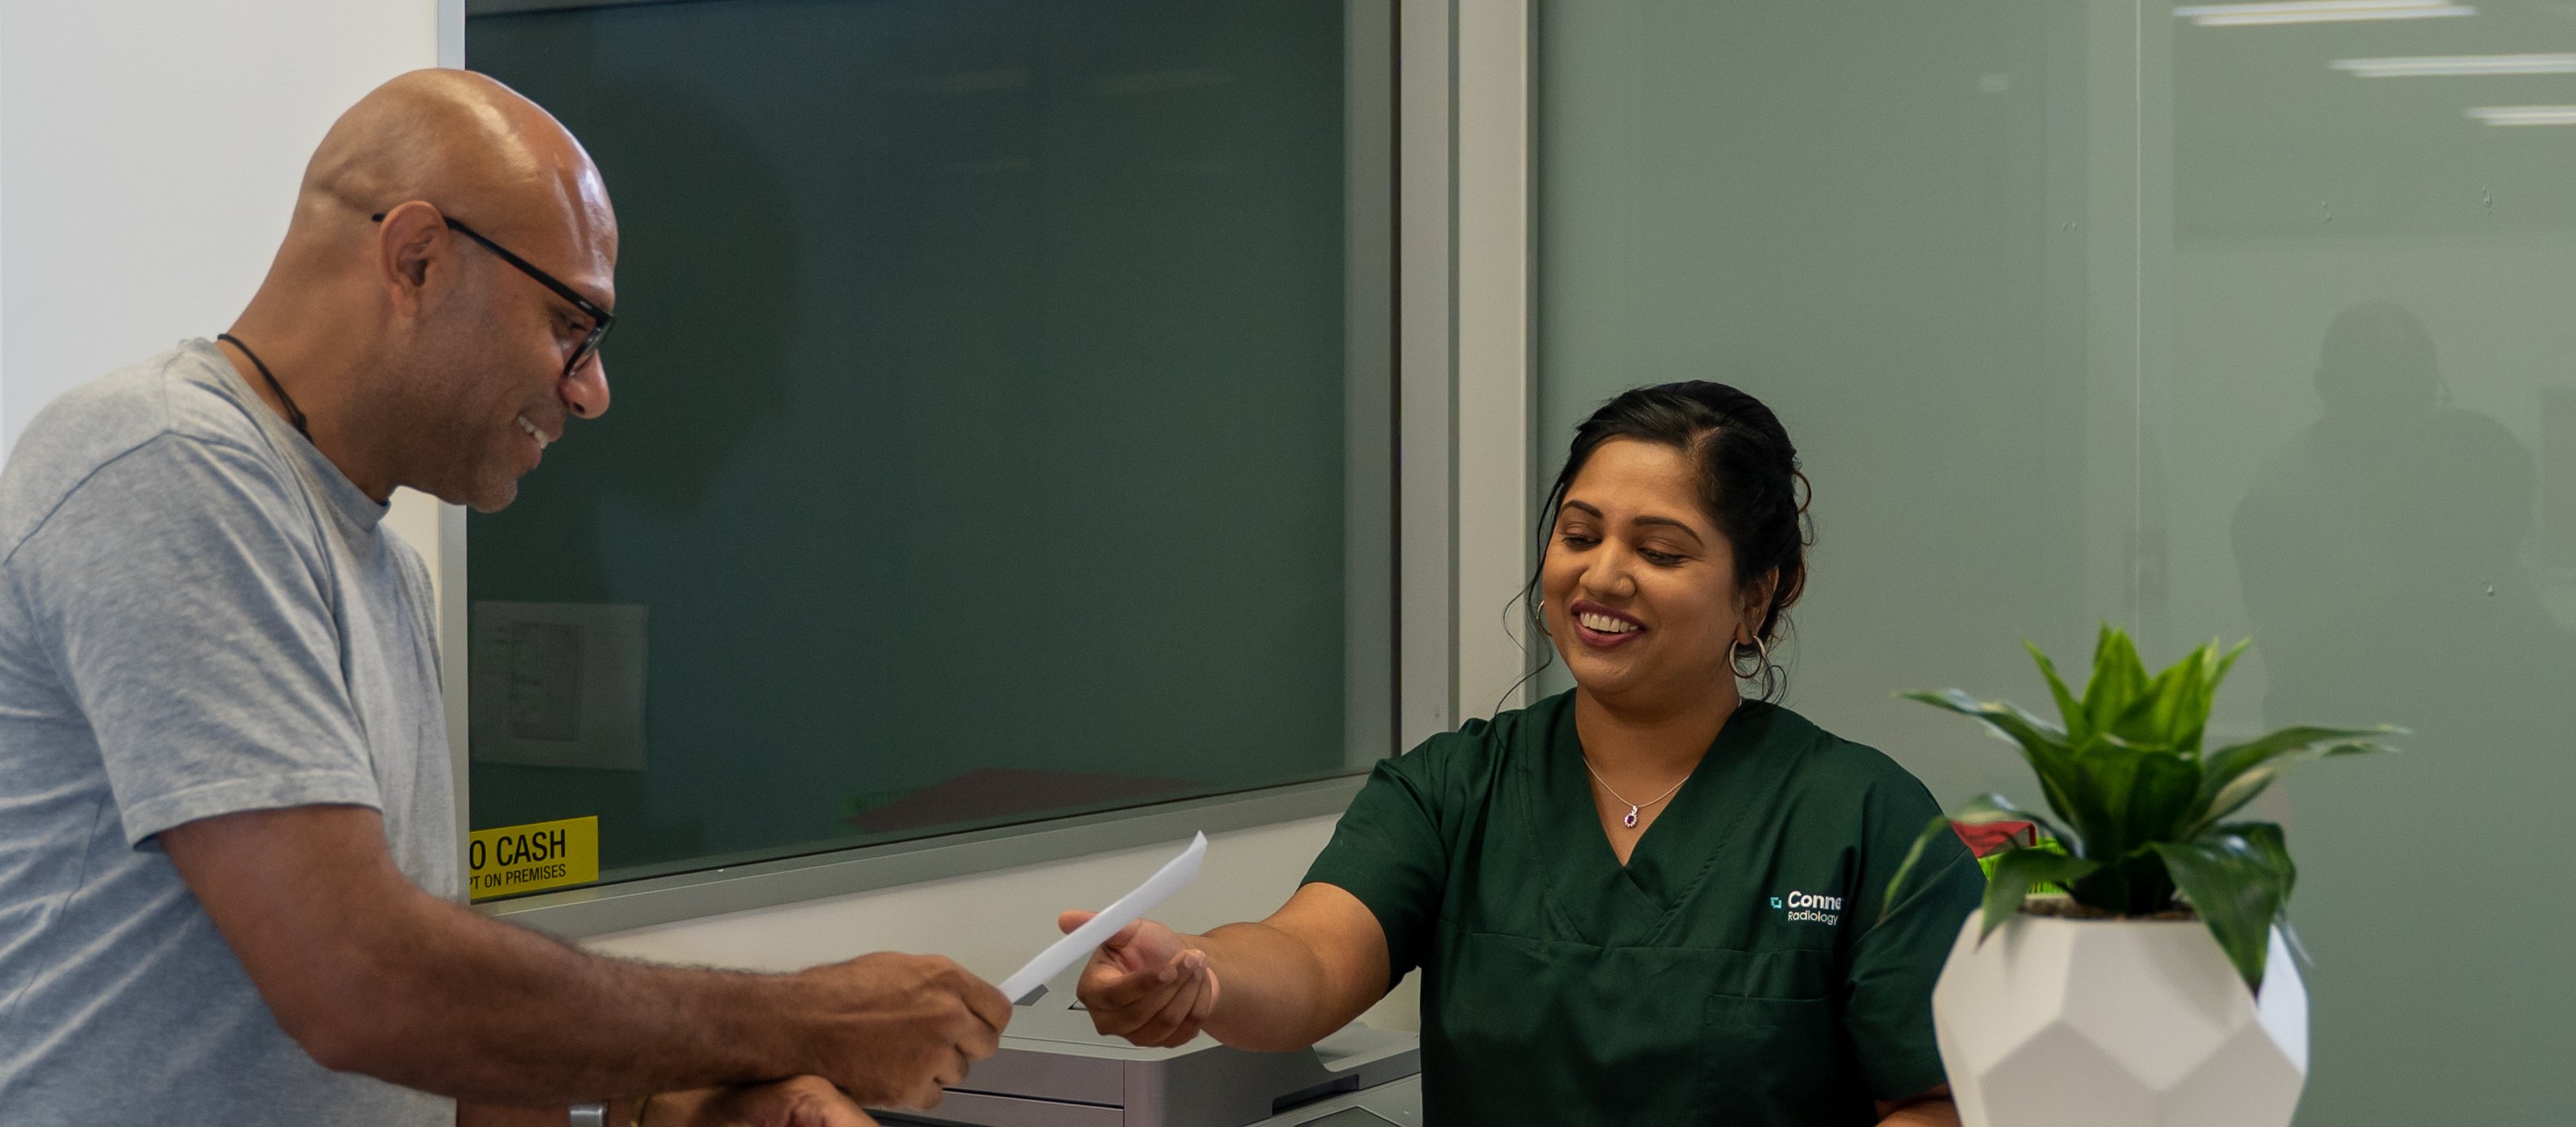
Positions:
(1593, 895)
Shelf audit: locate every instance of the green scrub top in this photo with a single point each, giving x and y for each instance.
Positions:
(1734, 972)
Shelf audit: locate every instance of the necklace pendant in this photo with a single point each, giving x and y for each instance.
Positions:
(1631, 819)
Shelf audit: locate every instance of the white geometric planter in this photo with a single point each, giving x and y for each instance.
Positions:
(2117, 1023)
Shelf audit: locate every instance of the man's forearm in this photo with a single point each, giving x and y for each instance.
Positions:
(484, 1010)
(370, 974)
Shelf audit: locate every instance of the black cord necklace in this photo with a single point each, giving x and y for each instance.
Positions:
(294, 414)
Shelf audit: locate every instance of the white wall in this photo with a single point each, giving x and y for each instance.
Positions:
(151, 153)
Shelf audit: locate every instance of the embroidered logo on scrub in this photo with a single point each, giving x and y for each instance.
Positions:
(1809, 908)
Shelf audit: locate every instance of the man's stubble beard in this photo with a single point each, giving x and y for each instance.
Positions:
(447, 452)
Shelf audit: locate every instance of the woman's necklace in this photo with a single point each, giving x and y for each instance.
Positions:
(1633, 807)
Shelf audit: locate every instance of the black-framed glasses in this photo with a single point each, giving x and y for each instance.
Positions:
(600, 319)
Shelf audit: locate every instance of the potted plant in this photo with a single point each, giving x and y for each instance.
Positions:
(2156, 987)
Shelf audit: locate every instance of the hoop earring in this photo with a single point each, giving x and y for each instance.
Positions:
(1761, 652)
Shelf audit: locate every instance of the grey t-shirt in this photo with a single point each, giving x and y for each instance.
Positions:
(199, 615)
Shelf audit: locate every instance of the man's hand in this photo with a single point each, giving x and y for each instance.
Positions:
(1146, 984)
(899, 1028)
(806, 1101)
(370, 974)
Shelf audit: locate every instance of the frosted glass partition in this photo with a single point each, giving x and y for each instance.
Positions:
(982, 444)
(2086, 310)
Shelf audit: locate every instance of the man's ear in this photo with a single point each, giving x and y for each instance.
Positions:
(411, 242)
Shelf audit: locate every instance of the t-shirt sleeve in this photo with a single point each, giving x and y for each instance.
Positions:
(1389, 852)
(1892, 966)
(180, 591)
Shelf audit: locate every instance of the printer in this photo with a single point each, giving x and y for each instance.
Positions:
(1054, 1070)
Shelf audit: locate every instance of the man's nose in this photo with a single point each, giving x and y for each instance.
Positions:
(585, 391)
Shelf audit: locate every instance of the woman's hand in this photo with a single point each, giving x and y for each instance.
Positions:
(1148, 983)
(1931, 1109)
(804, 1101)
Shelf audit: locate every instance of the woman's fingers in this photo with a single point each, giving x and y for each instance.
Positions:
(1171, 1025)
(1126, 1004)
(1142, 985)
(1107, 987)
(1206, 1004)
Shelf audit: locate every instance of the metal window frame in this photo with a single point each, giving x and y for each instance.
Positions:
(1455, 360)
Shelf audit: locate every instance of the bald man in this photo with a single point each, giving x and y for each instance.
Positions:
(228, 861)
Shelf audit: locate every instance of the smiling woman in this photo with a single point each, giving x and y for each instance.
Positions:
(1581, 953)
(1725, 492)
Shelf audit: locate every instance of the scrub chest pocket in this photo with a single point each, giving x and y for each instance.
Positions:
(1693, 1035)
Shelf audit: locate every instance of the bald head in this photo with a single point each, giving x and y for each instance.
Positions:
(420, 357)
(471, 147)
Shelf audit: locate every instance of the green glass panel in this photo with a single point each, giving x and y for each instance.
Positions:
(977, 449)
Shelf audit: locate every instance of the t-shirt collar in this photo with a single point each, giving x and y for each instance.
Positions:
(351, 502)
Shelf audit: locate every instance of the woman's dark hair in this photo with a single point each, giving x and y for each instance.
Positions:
(1749, 485)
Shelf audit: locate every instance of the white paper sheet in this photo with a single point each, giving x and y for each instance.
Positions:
(1077, 945)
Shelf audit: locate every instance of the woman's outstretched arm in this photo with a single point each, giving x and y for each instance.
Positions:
(1283, 983)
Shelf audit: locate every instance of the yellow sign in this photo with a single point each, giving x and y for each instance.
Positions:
(540, 855)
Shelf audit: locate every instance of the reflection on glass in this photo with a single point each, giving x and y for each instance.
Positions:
(2083, 312)
(978, 447)
(2381, 550)
(2370, 315)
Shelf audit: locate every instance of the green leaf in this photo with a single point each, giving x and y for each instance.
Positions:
(2235, 775)
(2141, 807)
(2267, 840)
(2016, 871)
(1990, 808)
(2162, 793)
(2016, 725)
(2070, 711)
(2226, 762)
(2173, 710)
(1997, 808)
(2182, 696)
(2236, 884)
(1940, 825)
(2042, 745)
(2119, 678)
(2146, 720)
(2097, 786)
(2214, 668)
